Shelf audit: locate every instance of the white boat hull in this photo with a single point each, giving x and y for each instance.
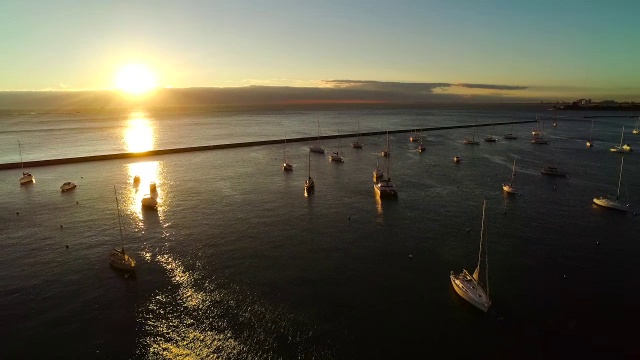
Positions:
(507, 188)
(469, 290)
(611, 204)
(27, 179)
(67, 187)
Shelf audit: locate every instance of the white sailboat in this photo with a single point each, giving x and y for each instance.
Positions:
(286, 166)
(356, 144)
(26, 178)
(636, 131)
(316, 147)
(510, 187)
(385, 187)
(468, 286)
(536, 132)
(590, 141)
(118, 258)
(611, 202)
(309, 184)
(471, 141)
(414, 136)
(538, 137)
(622, 148)
(335, 156)
(385, 152)
(421, 147)
(378, 173)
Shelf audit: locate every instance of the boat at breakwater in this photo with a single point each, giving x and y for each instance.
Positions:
(142, 154)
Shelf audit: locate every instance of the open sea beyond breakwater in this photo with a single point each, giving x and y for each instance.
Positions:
(238, 263)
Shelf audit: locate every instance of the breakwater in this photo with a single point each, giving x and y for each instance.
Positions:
(129, 155)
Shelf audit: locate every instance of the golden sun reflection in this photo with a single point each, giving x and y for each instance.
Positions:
(379, 210)
(149, 172)
(138, 135)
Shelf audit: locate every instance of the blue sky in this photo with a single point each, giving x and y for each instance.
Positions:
(554, 49)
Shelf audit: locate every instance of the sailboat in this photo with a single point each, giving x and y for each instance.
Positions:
(356, 144)
(317, 148)
(555, 120)
(378, 173)
(590, 141)
(510, 187)
(414, 136)
(510, 136)
(621, 148)
(538, 137)
(472, 141)
(309, 184)
(335, 156)
(536, 132)
(636, 130)
(468, 286)
(553, 170)
(285, 164)
(385, 187)
(26, 178)
(610, 202)
(118, 258)
(385, 152)
(421, 147)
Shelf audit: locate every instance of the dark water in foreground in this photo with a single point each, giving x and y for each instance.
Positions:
(237, 263)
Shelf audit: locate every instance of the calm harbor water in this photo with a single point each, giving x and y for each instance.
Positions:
(238, 263)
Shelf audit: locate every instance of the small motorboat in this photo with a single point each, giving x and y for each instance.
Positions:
(490, 139)
(456, 159)
(136, 180)
(470, 141)
(510, 137)
(552, 170)
(149, 201)
(67, 186)
(421, 147)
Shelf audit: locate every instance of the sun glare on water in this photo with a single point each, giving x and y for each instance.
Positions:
(135, 79)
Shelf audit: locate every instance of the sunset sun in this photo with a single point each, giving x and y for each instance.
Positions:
(135, 79)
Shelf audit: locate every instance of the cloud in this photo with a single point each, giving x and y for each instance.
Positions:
(413, 87)
(490, 87)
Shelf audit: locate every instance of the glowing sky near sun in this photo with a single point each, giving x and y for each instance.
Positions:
(551, 47)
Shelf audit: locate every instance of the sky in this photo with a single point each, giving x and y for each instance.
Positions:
(538, 50)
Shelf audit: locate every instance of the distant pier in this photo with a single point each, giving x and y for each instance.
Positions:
(143, 154)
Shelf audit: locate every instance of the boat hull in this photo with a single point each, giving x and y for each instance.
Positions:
(27, 180)
(385, 191)
(455, 282)
(510, 137)
(287, 167)
(611, 204)
(457, 159)
(507, 188)
(356, 145)
(65, 188)
(316, 149)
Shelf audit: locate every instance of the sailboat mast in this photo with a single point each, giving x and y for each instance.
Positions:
(285, 147)
(621, 136)
(477, 271)
(119, 219)
(20, 149)
(513, 174)
(591, 131)
(620, 177)
(309, 165)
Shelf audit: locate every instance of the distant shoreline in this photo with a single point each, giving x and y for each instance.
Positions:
(79, 159)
